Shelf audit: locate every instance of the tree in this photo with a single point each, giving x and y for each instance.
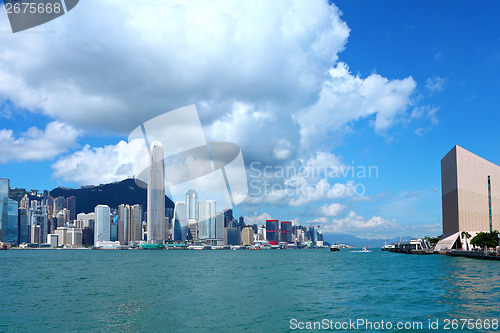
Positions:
(488, 239)
(466, 235)
(432, 240)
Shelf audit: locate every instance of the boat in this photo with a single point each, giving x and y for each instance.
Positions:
(388, 247)
(334, 248)
(365, 250)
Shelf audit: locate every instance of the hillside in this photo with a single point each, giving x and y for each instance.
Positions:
(114, 194)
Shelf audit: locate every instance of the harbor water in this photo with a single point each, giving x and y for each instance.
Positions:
(243, 291)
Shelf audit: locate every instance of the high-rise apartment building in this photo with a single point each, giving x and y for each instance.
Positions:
(156, 195)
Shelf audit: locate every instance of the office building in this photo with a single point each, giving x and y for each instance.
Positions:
(193, 230)
(12, 222)
(135, 229)
(102, 232)
(25, 202)
(59, 205)
(23, 225)
(247, 236)
(4, 207)
(232, 236)
(156, 195)
(53, 240)
(207, 220)
(470, 187)
(286, 231)
(192, 205)
(71, 207)
(38, 217)
(273, 231)
(62, 236)
(124, 222)
(180, 222)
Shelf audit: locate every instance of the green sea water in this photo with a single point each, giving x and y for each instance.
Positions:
(241, 291)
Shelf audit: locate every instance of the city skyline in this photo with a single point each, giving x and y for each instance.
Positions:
(356, 90)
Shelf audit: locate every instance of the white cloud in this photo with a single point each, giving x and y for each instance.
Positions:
(36, 144)
(375, 227)
(345, 98)
(258, 219)
(333, 209)
(435, 84)
(95, 165)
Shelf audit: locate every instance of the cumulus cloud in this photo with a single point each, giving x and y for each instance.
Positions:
(95, 165)
(258, 219)
(333, 209)
(36, 144)
(375, 227)
(345, 98)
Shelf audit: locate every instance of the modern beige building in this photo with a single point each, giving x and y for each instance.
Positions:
(247, 236)
(470, 197)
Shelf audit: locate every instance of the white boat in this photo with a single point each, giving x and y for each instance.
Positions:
(334, 248)
(388, 247)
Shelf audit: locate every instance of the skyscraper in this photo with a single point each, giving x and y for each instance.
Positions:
(272, 231)
(123, 223)
(286, 231)
(135, 223)
(207, 215)
(102, 231)
(4, 207)
(71, 206)
(180, 222)
(192, 205)
(156, 195)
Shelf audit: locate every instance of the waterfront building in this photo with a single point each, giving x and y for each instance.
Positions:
(74, 237)
(207, 223)
(102, 224)
(37, 216)
(286, 231)
(135, 229)
(12, 221)
(180, 222)
(23, 225)
(4, 207)
(470, 187)
(272, 232)
(35, 234)
(87, 236)
(247, 236)
(53, 240)
(231, 236)
(124, 222)
(62, 234)
(192, 205)
(156, 195)
(219, 229)
(193, 229)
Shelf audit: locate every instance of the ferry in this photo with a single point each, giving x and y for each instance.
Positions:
(388, 247)
(334, 248)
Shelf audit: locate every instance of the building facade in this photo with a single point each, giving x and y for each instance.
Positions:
(156, 195)
(470, 188)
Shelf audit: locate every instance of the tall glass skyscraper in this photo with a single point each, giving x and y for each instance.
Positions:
(206, 225)
(102, 230)
(192, 205)
(4, 207)
(180, 221)
(156, 195)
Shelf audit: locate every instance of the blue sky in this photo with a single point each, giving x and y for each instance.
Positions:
(391, 84)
